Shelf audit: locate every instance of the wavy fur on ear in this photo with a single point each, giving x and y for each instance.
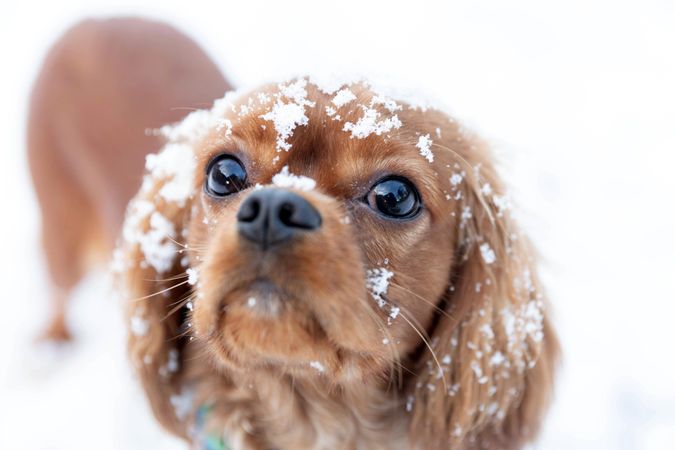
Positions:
(495, 348)
(150, 264)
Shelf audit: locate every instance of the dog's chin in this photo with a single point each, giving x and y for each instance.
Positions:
(263, 326)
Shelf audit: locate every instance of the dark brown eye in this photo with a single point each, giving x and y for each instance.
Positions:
(394, 197)
(225, 175)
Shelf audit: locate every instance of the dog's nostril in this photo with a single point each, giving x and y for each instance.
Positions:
(249, 210)
(286, 212)
(299, 215)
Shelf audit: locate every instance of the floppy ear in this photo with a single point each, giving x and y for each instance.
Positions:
(151, 273)
(491, 380)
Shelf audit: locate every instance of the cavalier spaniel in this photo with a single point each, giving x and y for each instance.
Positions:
(315, 265)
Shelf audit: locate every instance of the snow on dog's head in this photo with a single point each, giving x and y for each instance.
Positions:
(334, 233)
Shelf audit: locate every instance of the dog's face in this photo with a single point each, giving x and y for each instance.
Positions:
(328, 257)
(338, 236)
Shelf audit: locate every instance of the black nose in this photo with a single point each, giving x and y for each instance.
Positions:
(272, 216)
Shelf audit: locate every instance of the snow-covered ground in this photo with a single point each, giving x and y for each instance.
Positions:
(579, 100)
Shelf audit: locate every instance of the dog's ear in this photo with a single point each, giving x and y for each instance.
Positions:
(489, 380)
(150, 264)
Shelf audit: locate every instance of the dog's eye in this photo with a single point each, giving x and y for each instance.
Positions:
(394, 197)
(225, 175)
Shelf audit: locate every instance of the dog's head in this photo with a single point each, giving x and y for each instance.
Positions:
(343, 235)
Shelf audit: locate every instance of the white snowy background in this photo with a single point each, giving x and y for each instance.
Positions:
(578, 99)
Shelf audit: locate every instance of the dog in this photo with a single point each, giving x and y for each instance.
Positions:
(102, 85)
(324, 265)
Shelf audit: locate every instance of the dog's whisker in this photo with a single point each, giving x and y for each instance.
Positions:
(197, 248)
(178, 305)
(441, 311)
(173, 278)
(428, 345)
(392, 345)
(202, 354)
(159, 292)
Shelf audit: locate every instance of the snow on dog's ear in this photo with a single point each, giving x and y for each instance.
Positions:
(151, 274)
(495, 352)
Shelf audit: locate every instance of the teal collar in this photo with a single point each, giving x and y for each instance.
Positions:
(205, 440)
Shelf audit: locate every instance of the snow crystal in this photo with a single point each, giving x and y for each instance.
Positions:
(456, 178)
(295, 91)
(533, 317)
(424, 144)
(159, 251)
(395, 310)
(177, 163)
(370, 123)
(520, 323)
(227, 124)
(251, 302)
(377, 282)
(486, 329)
(477, 369)
(287, 116)
(199, 123)
(139, 326)
(502, 204)
(317, 365)
(172, 363)
(487, 253)
(343, 97)
(409, 403)
(182, 403)
(193, 276)
(466, 214)
(497, 358)
(389, 104)
(285, 179)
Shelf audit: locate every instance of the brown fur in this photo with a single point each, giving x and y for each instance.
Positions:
(102, 85)
(437, 384)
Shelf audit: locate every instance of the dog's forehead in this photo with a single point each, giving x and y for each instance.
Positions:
(340, 136)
